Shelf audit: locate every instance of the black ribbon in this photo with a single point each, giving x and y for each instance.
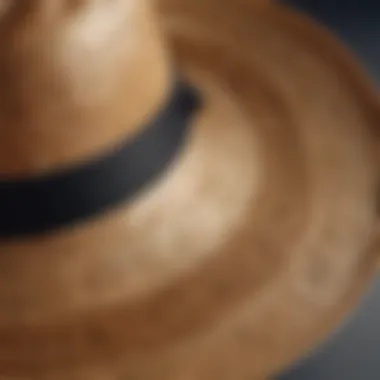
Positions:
(41, 204)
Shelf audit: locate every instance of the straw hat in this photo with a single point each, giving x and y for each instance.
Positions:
(187, 192)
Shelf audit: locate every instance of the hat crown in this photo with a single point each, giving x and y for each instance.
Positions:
(74, 78)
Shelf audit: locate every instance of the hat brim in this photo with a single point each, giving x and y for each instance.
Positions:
(298, 257)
